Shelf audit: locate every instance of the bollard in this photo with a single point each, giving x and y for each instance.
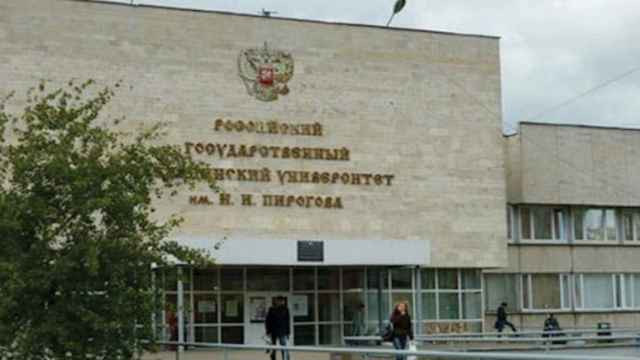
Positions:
(225, 354)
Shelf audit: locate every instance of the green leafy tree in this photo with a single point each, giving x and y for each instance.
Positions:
(78, 233)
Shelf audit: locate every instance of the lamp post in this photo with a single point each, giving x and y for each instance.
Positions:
(399, 5)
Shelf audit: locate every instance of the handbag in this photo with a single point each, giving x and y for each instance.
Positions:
(412, 347)
(387, 333)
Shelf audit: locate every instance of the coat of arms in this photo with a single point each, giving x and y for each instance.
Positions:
(265, 72)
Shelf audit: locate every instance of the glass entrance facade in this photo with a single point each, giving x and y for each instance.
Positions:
(323, 301)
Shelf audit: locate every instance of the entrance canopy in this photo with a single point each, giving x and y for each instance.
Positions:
(316, 252)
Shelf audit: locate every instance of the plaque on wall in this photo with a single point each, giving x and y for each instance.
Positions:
(310, 251)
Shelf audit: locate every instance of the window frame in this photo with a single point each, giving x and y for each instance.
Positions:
(582, 210)
(579, 305)
(526, 296)
(635, 225)
(555, 237)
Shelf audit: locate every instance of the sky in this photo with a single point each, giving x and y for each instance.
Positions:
(552, 51)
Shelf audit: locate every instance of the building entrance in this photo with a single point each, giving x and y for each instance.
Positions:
(257, 305)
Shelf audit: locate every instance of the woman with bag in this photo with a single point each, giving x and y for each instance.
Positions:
(402, 328)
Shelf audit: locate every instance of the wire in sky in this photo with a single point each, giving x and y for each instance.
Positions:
(585, 93)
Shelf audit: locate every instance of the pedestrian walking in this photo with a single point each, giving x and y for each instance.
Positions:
(278, 327)
(402, 328)
(502, 319)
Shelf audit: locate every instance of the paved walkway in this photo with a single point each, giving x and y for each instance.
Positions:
(631, 352)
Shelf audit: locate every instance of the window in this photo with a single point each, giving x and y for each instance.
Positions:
(500, 288)
(595, 291)
(607, 291)
(635, 290)
(541, 223)
(595, 224)
(631, 224)
(509, 222)
(450, 295)
(545, 291)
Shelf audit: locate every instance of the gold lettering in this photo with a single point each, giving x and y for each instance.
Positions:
(225, 199)
(306, 153)
(281, 176)
(210, 148)
(338, 203)
(279, 200)
(275, 151)
(232, 151)
(218, 124)
(247, 200)
(355, 179)
(317, 129)
(290, 200)
(286, 152)
(304, 176)
(273, 127)
(264, 151)
(253, 174)
(218, 174)
(188, 146)
(242, 174)
(388, 178)
(367, 178)
(242, 151)
(221, 148)
(344, 154)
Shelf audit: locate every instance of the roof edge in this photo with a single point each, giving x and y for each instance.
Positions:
(322, 22)
(603, 127)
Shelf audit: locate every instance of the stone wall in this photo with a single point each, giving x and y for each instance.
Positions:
(421, 106)
(565, 164)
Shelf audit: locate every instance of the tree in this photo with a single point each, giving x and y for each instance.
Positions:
(77, 228)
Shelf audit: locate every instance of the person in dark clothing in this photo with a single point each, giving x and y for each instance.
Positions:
(552, 329)
(402, 328)
(278, 326)
(502, 320)
(551, 323)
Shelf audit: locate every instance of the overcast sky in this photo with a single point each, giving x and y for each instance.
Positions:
(552, 50)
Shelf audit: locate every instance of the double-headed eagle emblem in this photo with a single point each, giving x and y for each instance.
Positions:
(265, 72)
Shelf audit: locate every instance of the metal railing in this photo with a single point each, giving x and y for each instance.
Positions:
(546, 340)
(367, 353)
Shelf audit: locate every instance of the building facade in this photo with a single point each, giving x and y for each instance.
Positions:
(357, 165)
(574, 227)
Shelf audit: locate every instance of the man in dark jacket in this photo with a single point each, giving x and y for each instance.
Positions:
(501, 320)
(278, 326)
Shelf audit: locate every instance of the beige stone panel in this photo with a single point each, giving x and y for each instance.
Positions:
(623, 319)
(545, 259)
(513, 266)
(513, 170)
(609, 167)
(606, 258)
(539, 166)
(591, 166)
(632, 158)
(575, 161)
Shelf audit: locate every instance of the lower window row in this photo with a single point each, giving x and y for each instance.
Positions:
(563, 291)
